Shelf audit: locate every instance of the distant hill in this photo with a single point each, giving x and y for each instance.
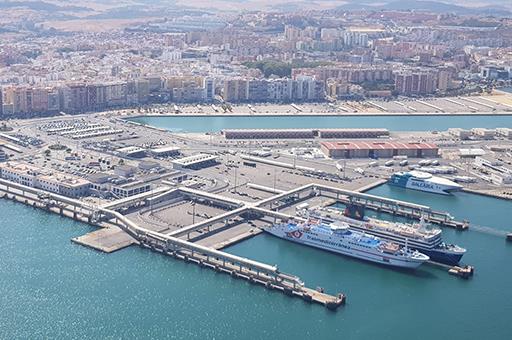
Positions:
(41, 6)
(430, 6)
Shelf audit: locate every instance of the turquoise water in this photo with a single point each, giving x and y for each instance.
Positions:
(478, 210)
(395, 123)
(423, 305)
(52, 288)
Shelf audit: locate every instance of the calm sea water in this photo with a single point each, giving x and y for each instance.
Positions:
(52, 288)
(395, 123)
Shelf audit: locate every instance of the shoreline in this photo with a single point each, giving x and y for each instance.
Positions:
(372, 185)
(487, 194)
(322, 114)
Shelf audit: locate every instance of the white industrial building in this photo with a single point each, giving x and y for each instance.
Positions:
(498, 173)
(460, 133)
(166, 151)
(504, 132)
(483, 133)
(198, 161)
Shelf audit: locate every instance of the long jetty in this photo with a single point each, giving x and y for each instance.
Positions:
(430, 216)
(372, 202)
(237, 267)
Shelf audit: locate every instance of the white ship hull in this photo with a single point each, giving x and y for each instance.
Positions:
(422, 181)
(339, 247)
(430, 247)
(430, 186)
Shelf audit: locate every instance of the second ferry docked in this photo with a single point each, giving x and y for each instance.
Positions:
(424, 181)
(339, 238)
(416, 236)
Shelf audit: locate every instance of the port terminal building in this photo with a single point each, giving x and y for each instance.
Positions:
(195, 162)
(130, 189)
(378, 149)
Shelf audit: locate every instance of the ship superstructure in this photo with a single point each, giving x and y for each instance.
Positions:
(341, 239)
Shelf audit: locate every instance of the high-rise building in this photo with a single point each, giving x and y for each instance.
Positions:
(142, 90)
(209, 89)
(291, 32)
(171, 55)
(235, 90)
(189, 92)
(116, 93)
(257, 90)
(444, 80)
(96, 96)
(403, 83)
(351, 38)
(75, 98)
(53, 100)
(415, 82)
(329, 33)
(280, 90)
(171, 83)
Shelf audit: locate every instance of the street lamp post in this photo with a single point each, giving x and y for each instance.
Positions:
(234, 188)
(274, 180)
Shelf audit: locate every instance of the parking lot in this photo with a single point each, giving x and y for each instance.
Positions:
(388, 105)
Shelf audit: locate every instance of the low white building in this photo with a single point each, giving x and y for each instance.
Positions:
(471, 153)
(20, 173)
(504, 132)
(483, 133)
(497, 173)
(501, 178)
(459, 133)
(125, 170)
(56, 182)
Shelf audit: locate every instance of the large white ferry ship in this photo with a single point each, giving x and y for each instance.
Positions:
(424, 181)
(339, 238)
(418, 236)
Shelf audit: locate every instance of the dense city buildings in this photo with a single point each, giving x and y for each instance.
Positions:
(253, 57)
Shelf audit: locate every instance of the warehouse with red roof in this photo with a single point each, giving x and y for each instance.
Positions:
(378, 149)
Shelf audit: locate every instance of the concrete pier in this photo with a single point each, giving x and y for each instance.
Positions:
(433, 217)
(119, 232)
(237, 267)
(224, 243)
(106, 240)
(377, 203)
(464, 272)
